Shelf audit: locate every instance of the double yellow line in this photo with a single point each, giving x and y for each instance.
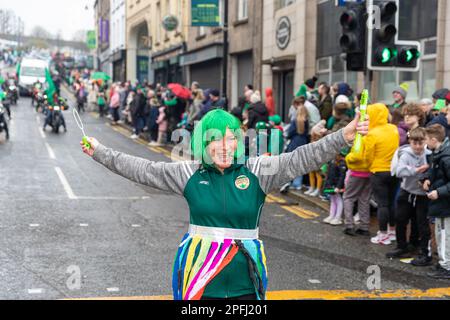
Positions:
(302, 213)
(436, 293)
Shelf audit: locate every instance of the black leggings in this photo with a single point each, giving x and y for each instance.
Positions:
(385, 188)
(250, 297)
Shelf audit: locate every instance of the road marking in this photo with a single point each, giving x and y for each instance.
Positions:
(112, 289)
(135, 225)
(314, 281)
(34, 225)
(65, 184)
(296, 212)
(302, 213)
(35, 291)
(84, 225)
(322, 295)
(42, 133)
(50, 151)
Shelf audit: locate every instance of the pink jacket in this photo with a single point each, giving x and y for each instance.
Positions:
(162, 122)
(115, 100)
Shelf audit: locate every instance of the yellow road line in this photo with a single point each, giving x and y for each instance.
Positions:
(302, 213)
(323, 295)
(297, 212)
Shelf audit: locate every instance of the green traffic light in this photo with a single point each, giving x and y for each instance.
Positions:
(409, 56)
(386, 55)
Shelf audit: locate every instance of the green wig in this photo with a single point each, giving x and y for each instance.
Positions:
(213, 127)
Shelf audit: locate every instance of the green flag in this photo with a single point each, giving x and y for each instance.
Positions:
(51, 87)
(18, 70)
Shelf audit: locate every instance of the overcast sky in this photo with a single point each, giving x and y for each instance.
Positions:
(68, 16)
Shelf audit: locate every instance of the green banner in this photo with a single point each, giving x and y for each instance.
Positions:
(92, 39)
(205, 13)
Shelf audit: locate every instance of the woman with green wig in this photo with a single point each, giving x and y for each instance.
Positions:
(221, 256)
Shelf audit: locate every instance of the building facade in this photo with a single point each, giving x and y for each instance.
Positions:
(245, 47)
(118, 39)
(203, 60)
(103, 17)
(301, 39)
(289, 47)
(153, 53)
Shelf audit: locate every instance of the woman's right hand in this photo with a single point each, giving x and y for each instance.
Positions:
(94, 144)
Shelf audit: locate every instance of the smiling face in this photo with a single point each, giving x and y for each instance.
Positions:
(222, 152)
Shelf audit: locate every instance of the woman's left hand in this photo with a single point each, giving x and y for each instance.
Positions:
(356, 127)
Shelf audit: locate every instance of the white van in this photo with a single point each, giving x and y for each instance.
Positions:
(31, 70)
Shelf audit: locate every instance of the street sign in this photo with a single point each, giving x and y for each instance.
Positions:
(205, 13)
(92, 39)
(343, 3)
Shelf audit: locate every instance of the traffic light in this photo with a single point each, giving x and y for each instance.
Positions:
(408, 56)
(353, 39)
(382, 34)
(385, 51)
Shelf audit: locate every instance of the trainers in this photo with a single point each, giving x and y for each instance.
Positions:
(363, 233)
(422, 260)
(398, 254)
(350, 232)
(315, 194)
(134, 137)
(392, 236)
(310, 190)
(336, 222)
(440, 274)
(328, 220)
(284, 189)
(381, 238)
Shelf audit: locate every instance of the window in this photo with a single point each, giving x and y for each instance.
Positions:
(333, 69)
(328, 29)
(242, 9)
(284, 3)
(201, 31)
(158, 25)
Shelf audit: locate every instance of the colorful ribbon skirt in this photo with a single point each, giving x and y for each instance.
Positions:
(205, 252)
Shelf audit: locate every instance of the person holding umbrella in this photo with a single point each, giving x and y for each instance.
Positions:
(176, 102)
(222, 257)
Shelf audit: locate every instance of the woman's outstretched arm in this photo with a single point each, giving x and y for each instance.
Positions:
(171, 177)
(273, 172)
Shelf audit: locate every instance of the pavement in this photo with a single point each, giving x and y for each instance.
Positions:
(73, 230)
